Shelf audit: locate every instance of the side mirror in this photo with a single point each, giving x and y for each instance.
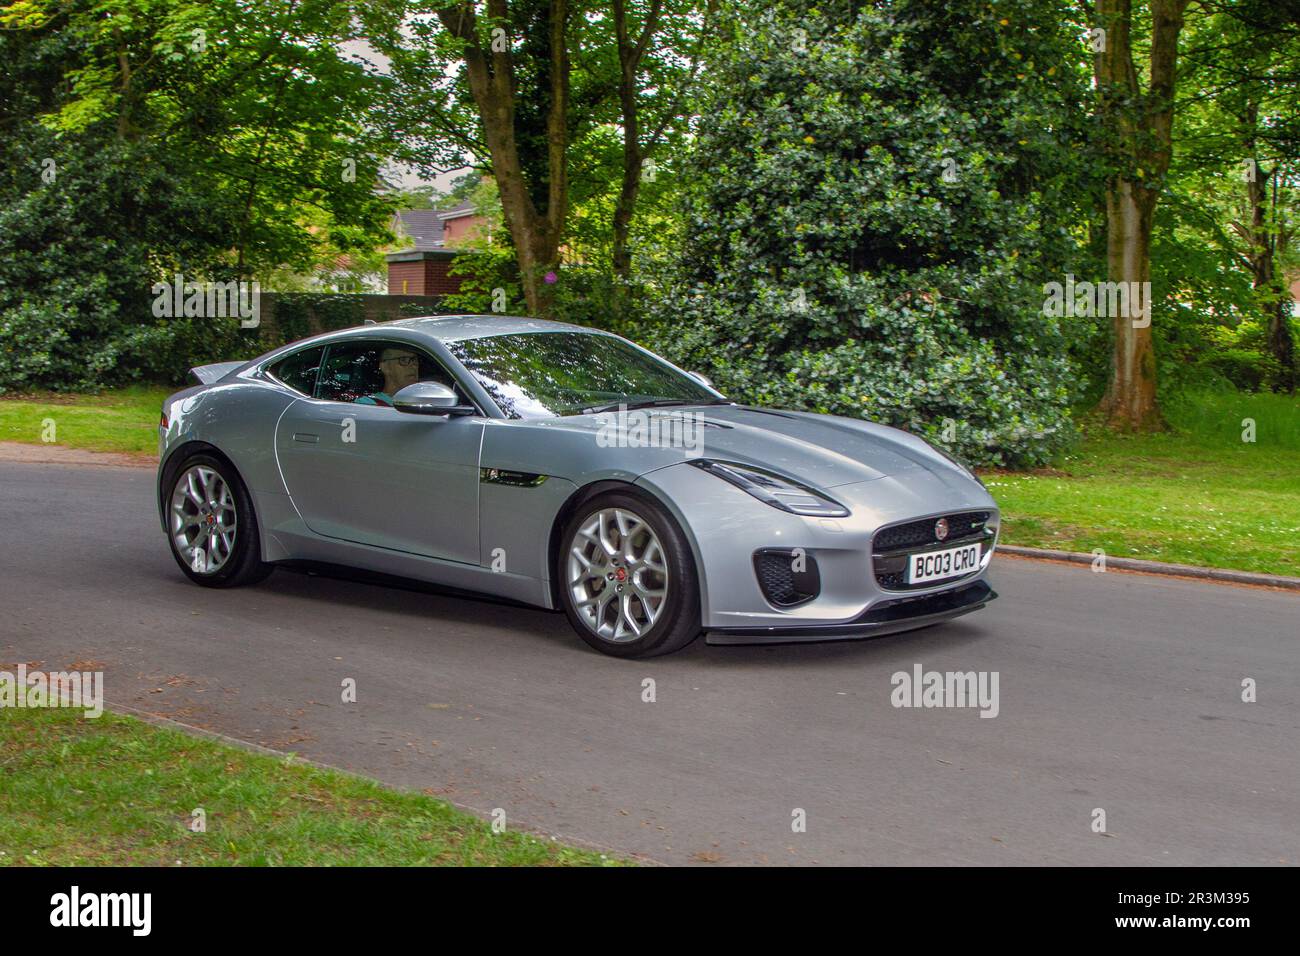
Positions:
(430, 398)
(701, 378)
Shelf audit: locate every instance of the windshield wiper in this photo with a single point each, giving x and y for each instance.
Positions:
(649, 403)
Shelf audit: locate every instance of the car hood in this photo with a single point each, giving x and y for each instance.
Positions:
(824, 450)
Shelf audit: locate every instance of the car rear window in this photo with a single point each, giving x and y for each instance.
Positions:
(299, 370)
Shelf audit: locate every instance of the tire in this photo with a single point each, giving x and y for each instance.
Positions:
(629, 622)
(210, 522)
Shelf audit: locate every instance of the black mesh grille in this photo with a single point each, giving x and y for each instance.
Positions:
(891, 574)
(895, 581)
(782, 584)
(903, 608)
(917, 534)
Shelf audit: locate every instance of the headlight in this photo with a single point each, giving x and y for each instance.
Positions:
(774, 490)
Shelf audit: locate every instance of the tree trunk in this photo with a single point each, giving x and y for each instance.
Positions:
(1282, 345)
(621, 256)
(1272, 243)
(1130, 400)
(629, 62)
(536, 233)
(128, 93)
(1265, 244)
(1140, 128)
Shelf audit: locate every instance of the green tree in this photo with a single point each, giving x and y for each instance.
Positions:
(532, 91)
(147, 137)
(881, 192)
(1219, 250)
(1236, 175)
(1136, 112)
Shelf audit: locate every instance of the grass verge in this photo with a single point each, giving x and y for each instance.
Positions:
(123, 420)
(119, 791)
(1196, 494)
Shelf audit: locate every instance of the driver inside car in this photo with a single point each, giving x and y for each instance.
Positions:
(401, 368)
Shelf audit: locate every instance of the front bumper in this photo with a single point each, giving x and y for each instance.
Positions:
(727, 528)
(886, 617)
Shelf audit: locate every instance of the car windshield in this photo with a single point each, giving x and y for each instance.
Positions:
(551, 374)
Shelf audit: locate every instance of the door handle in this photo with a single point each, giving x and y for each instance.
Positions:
(306, 436)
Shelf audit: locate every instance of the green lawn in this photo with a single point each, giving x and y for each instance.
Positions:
(1197, 494)
(125, 420)
(118, 791)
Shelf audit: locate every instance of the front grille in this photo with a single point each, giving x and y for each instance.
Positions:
(890, 566)
(787, 579)
(918, 534)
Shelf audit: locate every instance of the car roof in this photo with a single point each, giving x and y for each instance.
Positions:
(441, 328)
(456, 328)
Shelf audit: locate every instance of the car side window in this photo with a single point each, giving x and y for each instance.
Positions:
(299, 370)
(370, 372)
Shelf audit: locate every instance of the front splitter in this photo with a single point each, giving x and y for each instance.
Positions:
(892, 617)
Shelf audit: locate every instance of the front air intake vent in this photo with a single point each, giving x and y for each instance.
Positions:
(787, 577)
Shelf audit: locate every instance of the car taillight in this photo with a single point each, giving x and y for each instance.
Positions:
(162, 421)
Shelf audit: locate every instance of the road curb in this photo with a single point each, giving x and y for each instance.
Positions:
(27, 453)
(1157, 567)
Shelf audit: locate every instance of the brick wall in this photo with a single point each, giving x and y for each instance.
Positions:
(436, 279)
(406, 278)
(422, 277)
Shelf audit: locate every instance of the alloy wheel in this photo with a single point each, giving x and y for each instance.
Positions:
(203, 519)
(617, 574)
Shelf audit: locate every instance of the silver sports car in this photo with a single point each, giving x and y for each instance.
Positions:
(565, 467)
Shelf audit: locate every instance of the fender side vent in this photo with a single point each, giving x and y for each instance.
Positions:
(519, 479)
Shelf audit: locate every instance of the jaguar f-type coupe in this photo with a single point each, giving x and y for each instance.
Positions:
(567, 468)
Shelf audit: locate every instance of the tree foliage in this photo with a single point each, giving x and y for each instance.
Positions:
(562, 102)
(1224, 247)
(144, 138)
(880, 196)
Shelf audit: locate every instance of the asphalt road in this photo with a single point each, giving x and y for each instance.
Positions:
(1117, 691)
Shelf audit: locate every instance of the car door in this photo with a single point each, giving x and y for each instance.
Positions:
(359, 470)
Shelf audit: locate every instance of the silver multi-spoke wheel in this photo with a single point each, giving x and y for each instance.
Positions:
(203, 519)
(617, 574)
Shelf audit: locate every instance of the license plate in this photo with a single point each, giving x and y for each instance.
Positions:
(937, 565)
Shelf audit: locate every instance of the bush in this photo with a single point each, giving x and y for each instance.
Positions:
(489, 278)
(1241, 356)
(37, 349)
(956, 390)
(599, 299)
(164, 352)
(300, 314)
(79, 257)
(879, 203)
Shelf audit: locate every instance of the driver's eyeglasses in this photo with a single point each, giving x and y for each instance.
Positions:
(406, 361)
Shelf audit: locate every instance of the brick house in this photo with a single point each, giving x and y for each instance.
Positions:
(422, 269)
(463, 222)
